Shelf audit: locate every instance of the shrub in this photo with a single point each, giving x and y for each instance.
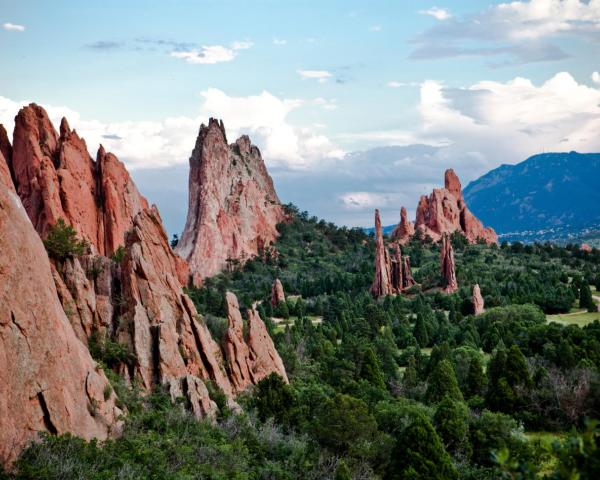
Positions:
(62, 242)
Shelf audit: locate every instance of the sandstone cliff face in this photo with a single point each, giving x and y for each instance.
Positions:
(447, 265)
(445, 211)
(49, 380)
(233, 207)
(478, 305)
(381, 283)
(160, 324)
(253, 359)
(56, 178)
(277, 293)
(5, 159)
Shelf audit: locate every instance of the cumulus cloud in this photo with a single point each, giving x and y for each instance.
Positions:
(211, 54)
(437, 13)
(279, 41)
(521, 31)
(596, 77)
(13, 27)
(320, 75)
(396, 84)
(156, 144)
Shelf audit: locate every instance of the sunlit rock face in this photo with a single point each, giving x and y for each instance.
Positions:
(233, 208)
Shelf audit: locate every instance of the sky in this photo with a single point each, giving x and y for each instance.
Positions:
(355, 105)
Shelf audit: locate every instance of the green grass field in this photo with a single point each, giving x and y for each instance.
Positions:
(580, 318)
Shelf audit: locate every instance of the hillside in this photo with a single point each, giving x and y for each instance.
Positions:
(551, 196)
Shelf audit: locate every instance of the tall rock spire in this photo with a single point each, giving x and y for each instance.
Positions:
(405, 229)
(233, 207)
(381, 283)
(478, 305)
(447, 264)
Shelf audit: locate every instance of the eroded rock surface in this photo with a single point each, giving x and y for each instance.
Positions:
(477, 299)
(405, 229)
(277, 293)
(382, 284)
(55, 177)
(49, 380)
(447, 265)
(233, 207)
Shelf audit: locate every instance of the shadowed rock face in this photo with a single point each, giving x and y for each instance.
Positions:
(233, 207)
(447, 265)
(382, 284)
(444, 211)
(49, 380)
(56, 178)
(172, 345)
(478, 305)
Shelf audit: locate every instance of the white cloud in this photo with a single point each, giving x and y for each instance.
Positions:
(211, 54)
(330, 104)
(438, 13)
(153, 144)
(596, 77)
(320, 75)
(279, 41)
(375, 28)
(519, 30)
(363, 200)
(13, 27)
(396, 84)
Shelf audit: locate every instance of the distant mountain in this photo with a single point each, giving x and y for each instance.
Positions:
(551, 196)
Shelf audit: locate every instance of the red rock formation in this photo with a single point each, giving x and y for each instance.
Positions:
(265, 358)
(381, 283)
(5, 176)
(171, 343)
(233, 207)
(277, 294)
(447, 264)
(5, 159)
(478, 305)
(87, 288)
(407, 278)
(237, 352)
(49, 380)
(396, 274)
(56, 178)
(405, 229)
(585, 247)
(444, 211)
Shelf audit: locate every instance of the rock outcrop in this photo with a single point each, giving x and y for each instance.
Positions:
(477, 299)
(585, 247)
(277, 293)
(396, 273)
(445, 211)
(407, 278)
(252, 360)
(233, 207)
(265, 358)
(56, 178)
(49, 380)
(405, 229)
(160, 325)
(382, 284)
(5, 159)
(447, 265)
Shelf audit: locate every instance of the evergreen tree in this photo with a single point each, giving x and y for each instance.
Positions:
(475, 382)
(342, 472)
(419, 453)
(370, 369)
(585, 298)
(442, 382)
(420, 331)
(451, 422)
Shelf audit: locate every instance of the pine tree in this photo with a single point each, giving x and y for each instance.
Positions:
(585, 298)
(442, 382)
(475, 382)
(370, 369)
(420, 331)
(452, 424)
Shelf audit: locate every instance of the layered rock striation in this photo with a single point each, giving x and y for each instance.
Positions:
(49, 381)
(233, 208)
(444, 211)
(382, 284)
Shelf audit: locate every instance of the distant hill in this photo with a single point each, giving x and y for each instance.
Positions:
(551, 196)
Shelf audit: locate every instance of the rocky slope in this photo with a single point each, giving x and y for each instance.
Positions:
(55, 177)
(49, 380)
(51, 310)
(444, 211)
(233, 207)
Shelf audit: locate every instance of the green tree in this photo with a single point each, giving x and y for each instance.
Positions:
(585, 298)
(451, 422)
(342, 472)
(442, 382)
(419, 453)
(62, 242)
(274, 398)
(476, 380)
(371, 370)
(420, 331)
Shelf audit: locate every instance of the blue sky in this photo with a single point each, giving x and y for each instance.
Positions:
(415, 87)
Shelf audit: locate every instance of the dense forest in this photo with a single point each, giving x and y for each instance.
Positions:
(408, 386)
